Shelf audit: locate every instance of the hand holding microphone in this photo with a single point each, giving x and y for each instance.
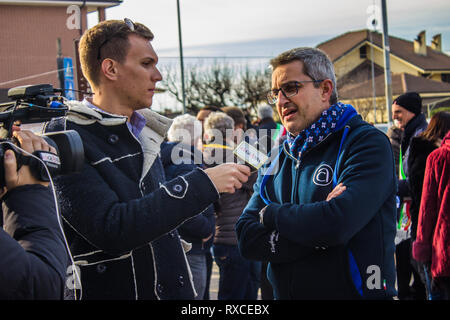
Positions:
(228, 177)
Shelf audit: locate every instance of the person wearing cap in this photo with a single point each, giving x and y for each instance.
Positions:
(408, 116)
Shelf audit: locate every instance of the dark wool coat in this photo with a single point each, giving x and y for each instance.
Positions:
(121, 216)
(419, 150)
(414, 127)
(433, 232)
(33, 254)
(201, 226)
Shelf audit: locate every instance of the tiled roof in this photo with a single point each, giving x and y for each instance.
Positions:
(361, 73)
(401, 83)
(340, 45)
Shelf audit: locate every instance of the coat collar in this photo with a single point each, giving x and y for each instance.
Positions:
(151, 137)
(81, 114)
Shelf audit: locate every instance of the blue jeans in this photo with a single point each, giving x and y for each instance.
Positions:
(197, 263)
(239, 277)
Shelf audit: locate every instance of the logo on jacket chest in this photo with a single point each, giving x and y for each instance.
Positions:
(323, 175)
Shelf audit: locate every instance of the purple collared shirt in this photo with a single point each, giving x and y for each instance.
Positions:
(136, 123)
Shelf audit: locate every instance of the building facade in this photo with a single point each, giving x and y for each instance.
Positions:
(35, 33)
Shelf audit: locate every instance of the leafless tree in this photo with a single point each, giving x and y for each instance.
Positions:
(219, 85)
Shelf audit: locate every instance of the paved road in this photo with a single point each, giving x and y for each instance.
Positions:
(214, 286)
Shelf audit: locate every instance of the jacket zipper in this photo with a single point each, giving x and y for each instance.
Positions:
(297, 172)
(298, 162)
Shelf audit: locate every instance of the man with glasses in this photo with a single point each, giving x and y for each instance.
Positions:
(121, 215)
(323, 212)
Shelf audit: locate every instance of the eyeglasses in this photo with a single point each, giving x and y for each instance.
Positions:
(130, 25)
(288, 89)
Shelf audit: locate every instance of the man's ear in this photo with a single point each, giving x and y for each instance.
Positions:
(109, 69)
(326, 89)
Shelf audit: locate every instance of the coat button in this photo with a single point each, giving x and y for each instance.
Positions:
(101, 268)
(112, 139)
(159, 288)
(181, 281)
(177, 188)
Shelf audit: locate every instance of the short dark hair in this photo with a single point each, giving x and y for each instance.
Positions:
(316, 65)
(108, 39)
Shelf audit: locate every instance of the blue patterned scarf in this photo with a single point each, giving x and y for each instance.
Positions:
(318, 131)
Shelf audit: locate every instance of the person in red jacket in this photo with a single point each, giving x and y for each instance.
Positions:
(432, 245)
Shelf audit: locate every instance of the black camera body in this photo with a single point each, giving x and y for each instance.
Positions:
(37, 104)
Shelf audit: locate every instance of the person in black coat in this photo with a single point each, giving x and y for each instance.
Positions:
(33, 255)
(407, 113)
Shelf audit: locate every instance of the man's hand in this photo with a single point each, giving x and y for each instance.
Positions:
(30, 143)
(228, 177)
(337, 191)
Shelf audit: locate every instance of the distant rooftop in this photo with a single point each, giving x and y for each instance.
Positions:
(404, 49)
(401, 83)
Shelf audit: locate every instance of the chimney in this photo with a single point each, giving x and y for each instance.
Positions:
(436, 43)
(420, 44)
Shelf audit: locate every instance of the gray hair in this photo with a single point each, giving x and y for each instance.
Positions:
(186, 129)
(316, 65)
(218, 123)
(265, 111)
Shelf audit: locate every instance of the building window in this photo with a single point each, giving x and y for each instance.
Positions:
(445, 77)
(363, 52)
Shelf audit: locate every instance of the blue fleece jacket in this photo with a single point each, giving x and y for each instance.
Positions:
(338, 249)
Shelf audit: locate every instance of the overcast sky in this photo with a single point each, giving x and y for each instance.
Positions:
(206, 22)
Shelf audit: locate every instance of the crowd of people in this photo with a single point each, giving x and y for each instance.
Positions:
(339, 211)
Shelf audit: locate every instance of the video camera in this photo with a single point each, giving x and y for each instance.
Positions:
(36, 104)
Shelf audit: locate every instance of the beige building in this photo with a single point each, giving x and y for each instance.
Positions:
(34, 33)
(358, 58)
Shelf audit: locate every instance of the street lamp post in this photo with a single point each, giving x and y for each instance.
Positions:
(181, 57)
(387, 63)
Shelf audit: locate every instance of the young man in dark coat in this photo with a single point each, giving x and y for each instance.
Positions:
(33, 255)
(323, 212)
(120, 211)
